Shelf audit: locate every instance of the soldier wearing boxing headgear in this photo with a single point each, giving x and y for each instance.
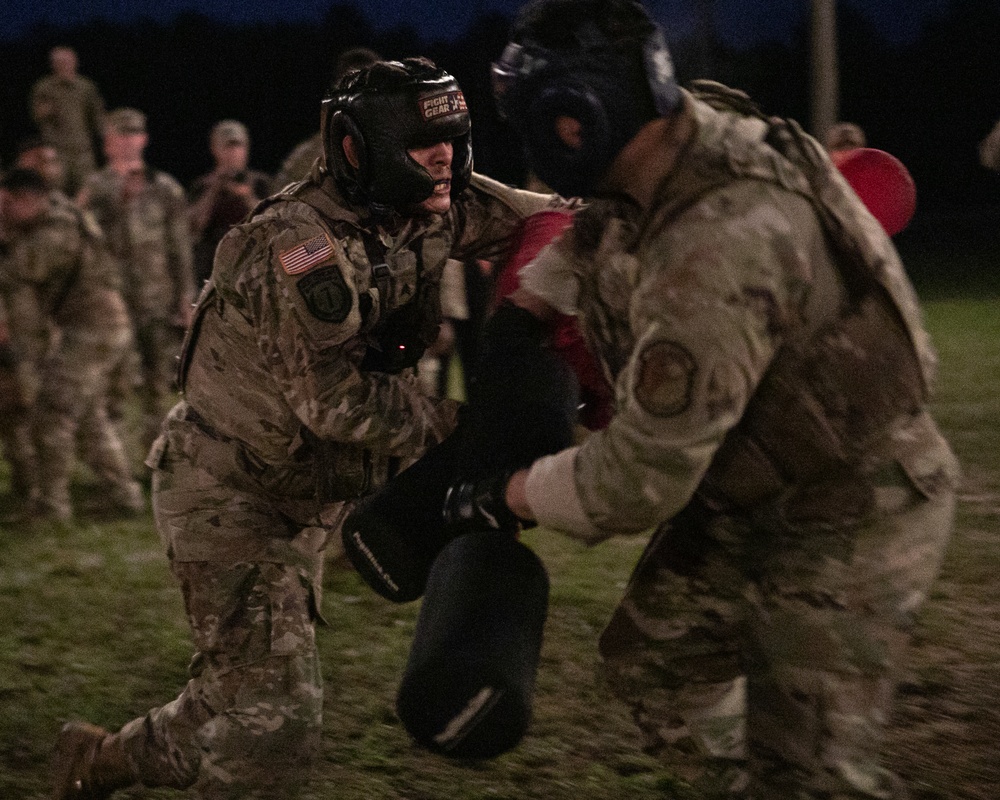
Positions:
(299, 397)
(383, 123)
(771, 379)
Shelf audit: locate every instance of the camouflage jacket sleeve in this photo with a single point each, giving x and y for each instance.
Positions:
(710, 299)
(487, 213)
(299, 288)
(41, 103)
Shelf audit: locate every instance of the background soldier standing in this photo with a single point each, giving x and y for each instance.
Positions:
(771, 379)
(224, 196)
(68, 110)
(143, 213)
(299, 396)
(68, 322)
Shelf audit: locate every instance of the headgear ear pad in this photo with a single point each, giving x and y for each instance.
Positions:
(342, 126)
(561, 165)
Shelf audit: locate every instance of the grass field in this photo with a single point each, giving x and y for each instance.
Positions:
(93, 628)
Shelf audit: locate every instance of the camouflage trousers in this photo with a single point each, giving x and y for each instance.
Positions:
(248, 722)
(760, 662)
(71, 412)
(15, 436)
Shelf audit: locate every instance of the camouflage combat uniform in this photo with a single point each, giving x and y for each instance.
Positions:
(279, 425)
(15, 426)
(148, 233)
(69, 326)
(68, 113)
(771, 375)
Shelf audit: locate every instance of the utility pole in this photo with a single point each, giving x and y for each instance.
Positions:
(825, 75)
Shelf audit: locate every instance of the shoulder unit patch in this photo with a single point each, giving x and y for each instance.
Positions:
(665, 379)
(326, 294)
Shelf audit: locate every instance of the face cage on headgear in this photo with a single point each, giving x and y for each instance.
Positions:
(596, 85)
(385, 124)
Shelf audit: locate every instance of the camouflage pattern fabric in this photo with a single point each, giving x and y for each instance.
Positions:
(757, 644)
(68, 113)
(248, 722)
(58, 277)
(144, 217)
(279, 429)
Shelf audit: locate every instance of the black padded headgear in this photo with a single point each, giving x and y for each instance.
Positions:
(389, 108)
(604, 63)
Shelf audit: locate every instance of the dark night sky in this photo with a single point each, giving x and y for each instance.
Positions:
(738, 21)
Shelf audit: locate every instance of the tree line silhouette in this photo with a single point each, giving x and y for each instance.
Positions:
(929, 102)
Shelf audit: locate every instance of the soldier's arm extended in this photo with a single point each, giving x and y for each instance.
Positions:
(488, 213)
(706, 326)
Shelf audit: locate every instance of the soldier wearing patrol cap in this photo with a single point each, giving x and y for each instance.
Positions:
(143, 212)
(771, 422)
(299, 396)
(225, 195)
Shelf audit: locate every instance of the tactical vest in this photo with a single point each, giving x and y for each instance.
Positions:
(821, 418)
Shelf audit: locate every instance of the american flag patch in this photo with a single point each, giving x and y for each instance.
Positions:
(307, 255)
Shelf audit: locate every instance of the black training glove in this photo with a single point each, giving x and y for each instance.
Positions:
(479, 505)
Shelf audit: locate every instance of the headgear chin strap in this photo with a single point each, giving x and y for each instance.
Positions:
(415, 105)
(593, 80)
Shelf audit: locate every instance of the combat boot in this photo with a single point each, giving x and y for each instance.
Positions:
(89, 763)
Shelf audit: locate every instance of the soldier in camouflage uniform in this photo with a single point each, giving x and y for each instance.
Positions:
(224, 196)
(18, 389)
(68, 110)
(143, 212)
(36, 154)
(771, 379)
(69, 326)
(299, 396)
